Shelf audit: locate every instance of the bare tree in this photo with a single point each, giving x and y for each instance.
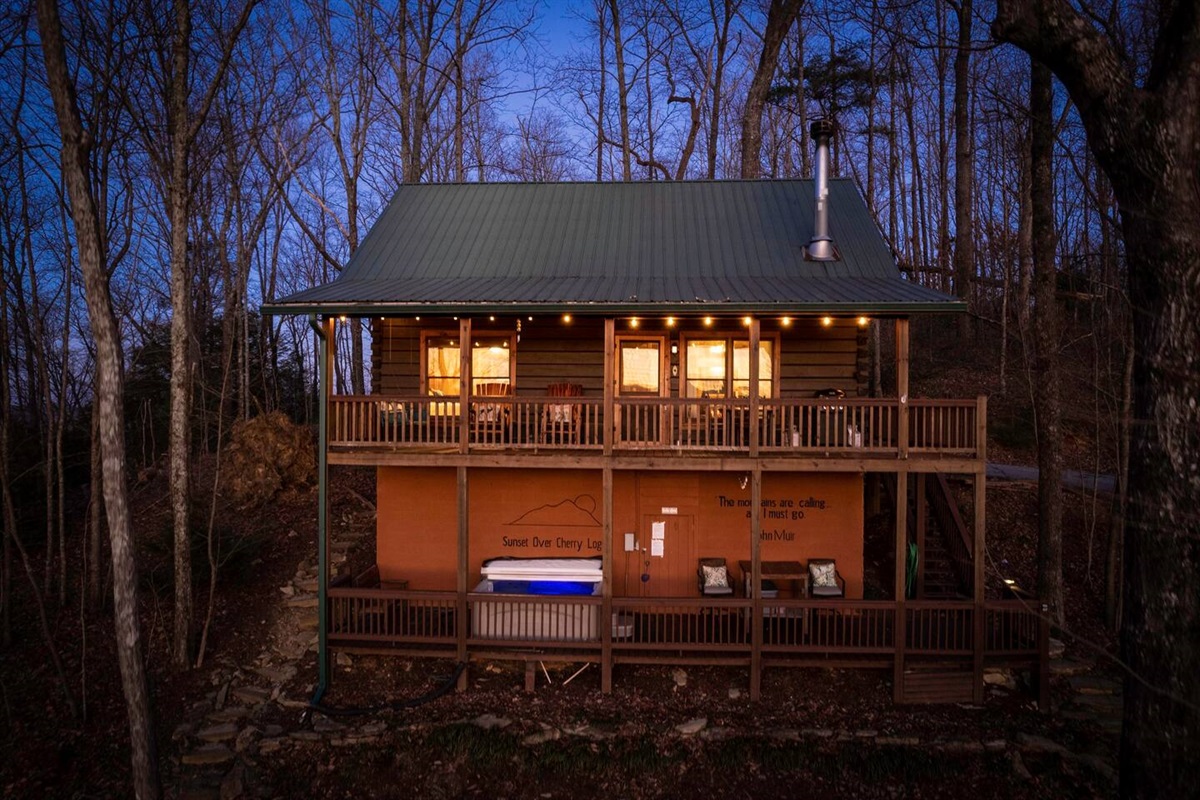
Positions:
(89, 237)
(780, 17)
(1145, 133)
(1045, 324)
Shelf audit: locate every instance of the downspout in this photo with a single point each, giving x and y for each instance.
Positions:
(322, 513)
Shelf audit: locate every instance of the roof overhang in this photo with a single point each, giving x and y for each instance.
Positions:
(402, 309)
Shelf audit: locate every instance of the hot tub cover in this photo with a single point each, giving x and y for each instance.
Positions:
(585, 570)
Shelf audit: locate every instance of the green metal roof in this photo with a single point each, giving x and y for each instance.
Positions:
(617, 248)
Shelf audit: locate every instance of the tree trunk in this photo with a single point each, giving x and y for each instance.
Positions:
(95, 512)
(1147, 140)
(780, 17)
(1045, 324)
(109, 397)
(964, 167)
(622, 90)
(178, 193)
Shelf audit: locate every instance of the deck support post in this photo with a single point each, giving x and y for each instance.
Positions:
(977, 558)
(460, 628)
(756, 608)
(464, 385)
(327, 348)
(922, 529)
(902, 387)
(755, 336)
(901, 624)
(606, 612)
(607, 413)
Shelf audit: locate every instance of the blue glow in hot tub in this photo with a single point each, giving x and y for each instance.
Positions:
(544, 587)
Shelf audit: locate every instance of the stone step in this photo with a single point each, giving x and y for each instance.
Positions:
(220, 732)
(208, 754)
(1094, 684)
(1066, 667)
(252, 695)
(307, 585)
(302, 601)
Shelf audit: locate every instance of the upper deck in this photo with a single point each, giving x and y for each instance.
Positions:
(646, 392)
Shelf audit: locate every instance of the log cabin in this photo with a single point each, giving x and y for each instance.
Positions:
(630, 423)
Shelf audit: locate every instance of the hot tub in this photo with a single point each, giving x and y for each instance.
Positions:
(526, 600)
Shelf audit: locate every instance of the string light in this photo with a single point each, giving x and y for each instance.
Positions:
(826, 321)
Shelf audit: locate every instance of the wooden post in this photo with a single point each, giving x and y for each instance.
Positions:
(464, 542)
(981, 403)
(977, 558)
(980, 542)
(922, 529)
(610, 376)
(606, 615)
(901, 615)
(902, 386)
(464, 385)
(1043, 658)
(756, 609)
(755, 421)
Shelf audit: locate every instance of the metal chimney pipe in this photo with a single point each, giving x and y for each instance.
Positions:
(820, 247)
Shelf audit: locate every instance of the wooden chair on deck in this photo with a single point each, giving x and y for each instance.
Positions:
(712, 577)
(561, 421)
(490, 420)
(824, 581)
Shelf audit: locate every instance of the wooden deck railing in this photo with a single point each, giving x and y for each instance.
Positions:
(700, 626)
(784, 426)
(681, 624)
(387, 616)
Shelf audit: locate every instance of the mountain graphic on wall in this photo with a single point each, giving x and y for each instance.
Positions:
(573, 512)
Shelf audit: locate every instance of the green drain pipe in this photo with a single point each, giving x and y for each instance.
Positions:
(322, 512)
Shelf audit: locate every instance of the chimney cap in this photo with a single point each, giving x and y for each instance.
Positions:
(821, 127)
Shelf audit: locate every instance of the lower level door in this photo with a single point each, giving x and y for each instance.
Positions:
(673, 574)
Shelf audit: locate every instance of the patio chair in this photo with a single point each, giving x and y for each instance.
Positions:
(712, 578)
(561, 421)
(490, 420)
(824, 581)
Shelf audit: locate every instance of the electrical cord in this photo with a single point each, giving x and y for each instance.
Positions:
(396, 705)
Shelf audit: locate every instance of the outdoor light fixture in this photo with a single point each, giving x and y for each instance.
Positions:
(566, 319)
(670, 322)
(633, 322)
(492, 318)
(826, 321)
(531, 319)
(862, 322)
(786, 322)
(708, 322)
(418, 319)
(746, 321)
(342, 319)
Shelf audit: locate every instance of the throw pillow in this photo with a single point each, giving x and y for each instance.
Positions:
(823, 575)
(715, 577)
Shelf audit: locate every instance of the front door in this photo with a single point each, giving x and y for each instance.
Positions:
(673, 574)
